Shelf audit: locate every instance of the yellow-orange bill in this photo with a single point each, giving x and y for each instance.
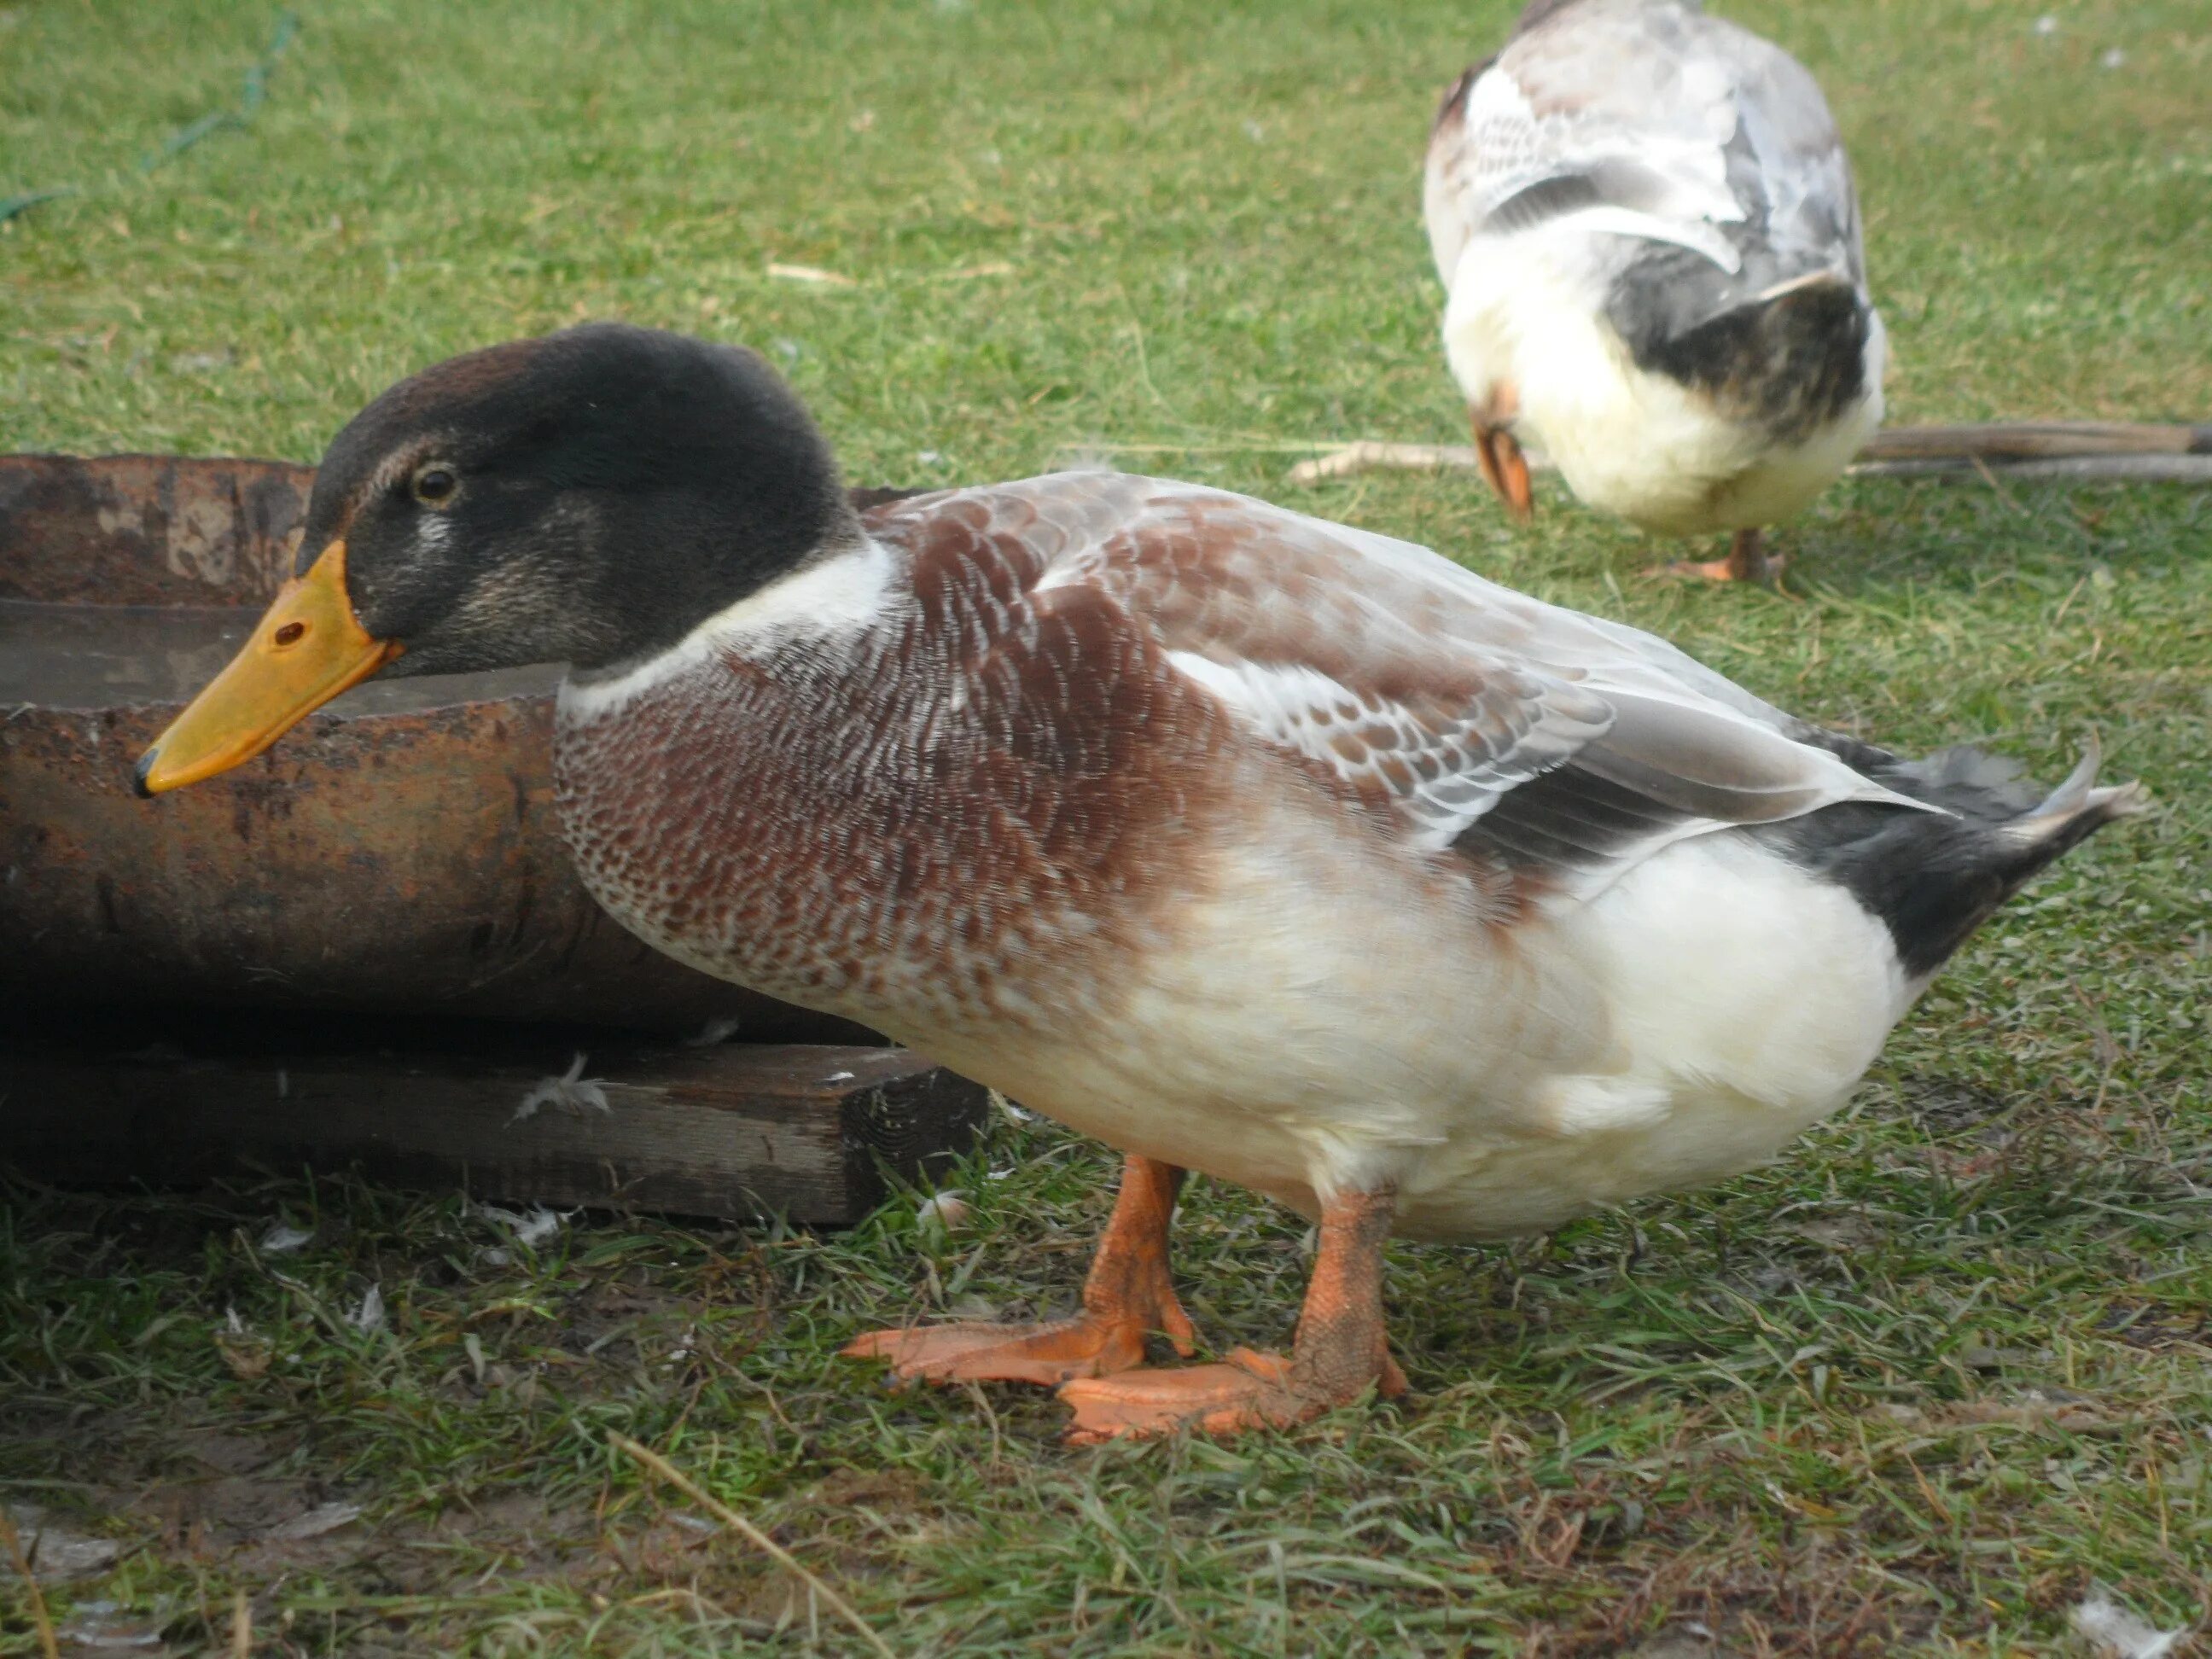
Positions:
(307, 649)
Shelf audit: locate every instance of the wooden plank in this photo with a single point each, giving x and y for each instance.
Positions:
(731, 1131)
(2100, 468)
(2072, 449)
(2035, 441)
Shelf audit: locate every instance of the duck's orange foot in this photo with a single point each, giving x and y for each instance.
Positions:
(1047, 1355)
(1748, 561)
(1251, 1390)
(1709, 570)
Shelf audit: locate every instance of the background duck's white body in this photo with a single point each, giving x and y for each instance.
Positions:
(1612, 202)
(1282, 851)
(1626, 440)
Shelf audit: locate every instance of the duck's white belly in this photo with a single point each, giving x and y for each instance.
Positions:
(1660, 456)
(1628, 441)
(1745, 1001)
(1312, 1034)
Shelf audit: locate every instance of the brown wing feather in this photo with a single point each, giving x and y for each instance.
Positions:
(1363, 679)
(1417, 684)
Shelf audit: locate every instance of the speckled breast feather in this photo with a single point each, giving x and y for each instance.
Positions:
(965, 814)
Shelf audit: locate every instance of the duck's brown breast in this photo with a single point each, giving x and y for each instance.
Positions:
(980, 807)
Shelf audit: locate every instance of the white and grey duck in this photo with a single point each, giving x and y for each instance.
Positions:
(1247, 842)
(1646, 226)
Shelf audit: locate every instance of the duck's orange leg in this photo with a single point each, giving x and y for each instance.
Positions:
(1748, 561)
(1128, 1296)
(1340, 1351)
(1504, 468)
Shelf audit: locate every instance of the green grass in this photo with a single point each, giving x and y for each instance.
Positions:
(1912, 1390)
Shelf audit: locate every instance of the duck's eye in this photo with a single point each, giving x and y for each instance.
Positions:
(437, 484)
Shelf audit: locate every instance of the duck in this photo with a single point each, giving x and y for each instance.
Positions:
(1650, 247)
(1249, 843)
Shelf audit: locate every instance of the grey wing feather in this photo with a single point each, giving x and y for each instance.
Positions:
(1647, 118)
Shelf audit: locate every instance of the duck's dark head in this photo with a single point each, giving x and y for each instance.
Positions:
(588, 497)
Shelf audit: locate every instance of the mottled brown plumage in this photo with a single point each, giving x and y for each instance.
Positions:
(977, 814)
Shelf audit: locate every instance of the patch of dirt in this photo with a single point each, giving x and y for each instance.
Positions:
(2157, 1327)
(1851, 1230)
(1723, 1603)
(2033, 1408)
(847, 1489)
(1690, 1642)
(530, 1537)
(194, 1486)
(226, 1451)
(56, 1554)
(1683, 1584)
(625, 1326)
(214, 1513)
(190, 1488)
(1946, 1105)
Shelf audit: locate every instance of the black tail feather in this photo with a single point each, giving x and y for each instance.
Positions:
(1933, 880)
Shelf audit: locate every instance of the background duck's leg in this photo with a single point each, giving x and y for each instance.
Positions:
(1748, 561)
(1340, 1351)
(1504, 466)
(1130, 1295)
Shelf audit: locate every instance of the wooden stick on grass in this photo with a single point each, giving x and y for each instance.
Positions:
(2034, 439)
(2166, 467)
(47, 1645)
(1369, 454)
(655, 1464)
(2073, 449)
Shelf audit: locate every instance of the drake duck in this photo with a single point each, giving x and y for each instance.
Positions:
(1646, 229)
(1247, 842)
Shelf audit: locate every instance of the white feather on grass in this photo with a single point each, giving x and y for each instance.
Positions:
(532, 1227)
(572, 1091)
(2115, 1633)
(948, 1210)
(369, 1316)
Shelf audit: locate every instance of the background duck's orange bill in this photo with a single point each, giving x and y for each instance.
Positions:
(308, 648)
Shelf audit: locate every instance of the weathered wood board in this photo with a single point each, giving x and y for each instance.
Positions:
(802, 1131)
